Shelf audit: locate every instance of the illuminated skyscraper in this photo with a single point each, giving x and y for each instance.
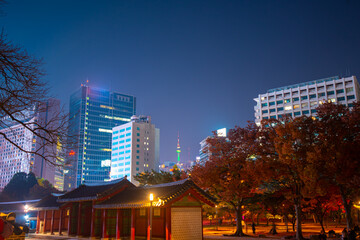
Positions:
(303, 98)
(135, 148)
(205, 152)
(93, 114)
(14, 160)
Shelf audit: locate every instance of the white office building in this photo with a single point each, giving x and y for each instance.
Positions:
(302, 99)
(205, 152)
(135, 148)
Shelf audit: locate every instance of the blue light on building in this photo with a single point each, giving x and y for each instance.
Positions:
(93, 114)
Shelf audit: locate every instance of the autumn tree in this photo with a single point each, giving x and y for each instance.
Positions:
(320, 206)
(230, 172)
(285, 146)
(336, 155)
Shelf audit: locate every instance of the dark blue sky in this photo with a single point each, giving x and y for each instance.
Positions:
(194, 66)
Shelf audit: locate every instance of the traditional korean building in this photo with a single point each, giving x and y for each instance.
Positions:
(120, 210)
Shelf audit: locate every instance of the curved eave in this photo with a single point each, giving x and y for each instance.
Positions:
(129, 205)
(44, 208)
(77, 199)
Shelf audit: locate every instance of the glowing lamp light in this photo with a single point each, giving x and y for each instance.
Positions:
(26, 217)
(71, 153)
(151, 197)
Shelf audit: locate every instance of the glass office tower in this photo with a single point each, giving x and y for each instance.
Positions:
(93, 114)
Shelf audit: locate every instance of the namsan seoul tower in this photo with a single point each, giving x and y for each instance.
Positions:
(178, 149)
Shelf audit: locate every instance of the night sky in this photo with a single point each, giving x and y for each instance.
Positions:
(194, 66)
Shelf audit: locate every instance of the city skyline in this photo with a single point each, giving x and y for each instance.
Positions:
(193, 66)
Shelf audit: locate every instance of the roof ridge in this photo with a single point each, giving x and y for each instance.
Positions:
(167, 184)
(103, 183)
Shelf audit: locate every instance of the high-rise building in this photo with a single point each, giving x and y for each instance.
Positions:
(93, 114)
(302, 99)
(205, 152)
(135, 148)
(13, 159)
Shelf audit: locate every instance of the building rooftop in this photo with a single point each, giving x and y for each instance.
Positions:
(164, 193)
(304, 84)
(88, 192)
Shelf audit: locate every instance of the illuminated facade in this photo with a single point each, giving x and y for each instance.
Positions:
(304, 98)
(13, 160)
(93, 114)
(205, 152)
(135, 148)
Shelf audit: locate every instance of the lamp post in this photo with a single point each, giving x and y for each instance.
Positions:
(151, 210)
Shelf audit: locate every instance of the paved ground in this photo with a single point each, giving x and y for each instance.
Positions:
(217, 232)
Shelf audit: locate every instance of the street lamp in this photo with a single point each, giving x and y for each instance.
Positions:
(151, 201)
(26, 208)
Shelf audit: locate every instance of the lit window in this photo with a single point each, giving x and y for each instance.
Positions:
(288, 108)
(296, 106)
(350, 89)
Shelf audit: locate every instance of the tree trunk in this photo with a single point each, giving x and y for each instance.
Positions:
(286, 223)
(347, 207)
(239, 231)
(320, 218)
(293, 224)
(299, 235)
(258, 216)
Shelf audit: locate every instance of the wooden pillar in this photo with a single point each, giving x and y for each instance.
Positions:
(148, 232)
(132, 234)
(92, 229)
(45, 216)
(78, 231)
(118, 223)
(104, 234)
(38, 222)
(52, 222)
(168, 223)
(60, 221)
(202, 224)
(69, 220)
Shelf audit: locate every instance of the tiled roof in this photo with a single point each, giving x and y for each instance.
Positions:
(16, 206)
(88, 192)
(48, 203)
(139, 196)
